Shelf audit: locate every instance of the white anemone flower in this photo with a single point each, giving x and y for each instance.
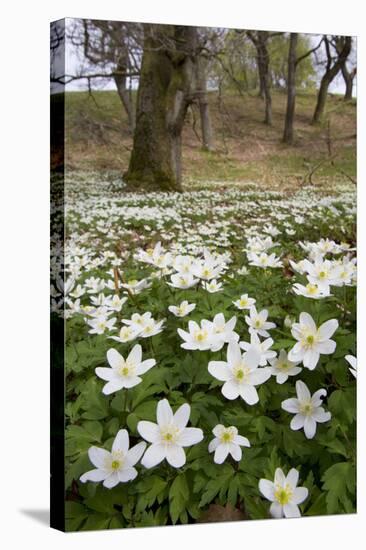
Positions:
(126, 334)
(263, 348)
(284, 494)
(183, 280)
(227, 441)
(168, 436)
(258, 321)
(312, 341)
(116, 466)
(281, 367)
(311, 290)
(352, 360)
(183, 309)
(244, 302)
(240, 373)
(199, 337)
(307, 409)
(123, 373)
(212, 286)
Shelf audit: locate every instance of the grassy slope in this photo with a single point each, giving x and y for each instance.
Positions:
(245, 149)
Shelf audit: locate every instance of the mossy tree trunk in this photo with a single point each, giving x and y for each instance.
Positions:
(165, 91)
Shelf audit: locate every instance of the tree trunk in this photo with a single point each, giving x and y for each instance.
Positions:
(263, 62)
(330, 73)
(126, 99)
(348, 79)
(205, 118)
(164, 94)
(288, 135)
(259, 40)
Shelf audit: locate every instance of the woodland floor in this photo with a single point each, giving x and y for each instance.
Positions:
(245, 149)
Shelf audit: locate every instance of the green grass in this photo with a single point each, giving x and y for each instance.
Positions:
(245, 149)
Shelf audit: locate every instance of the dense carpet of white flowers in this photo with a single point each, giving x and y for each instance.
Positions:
(210, 352)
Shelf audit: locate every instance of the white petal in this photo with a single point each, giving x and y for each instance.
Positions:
(219, 370)
(299, 495)
(291, 510)
(252, 357)
(327, 347)
(111, 481)
(259, 376)
(164, 413)
(243, 441)
(176, 456)
(212, 446)
(235, 451)
(114, 358)
(105, 373)
(302, 391)
(320, 415)
(292, 477)
(230, 390)
(308, 321)
(290, 405)
(267, 489)
(311, 358)
(233, 353)
(327, 329)
(148, 430)
(113, 386)
(309, 427)
(276, 510)
(190, 436)
(98, 456)
(218, 429)
(135, 453)
(127, 474)
(221, 453)
(297, 423)
(121, 441)
(153, 455)
(279, 478)
(135, 355)
(145, 366)
(181, 416)
(316, 399)
(94, 475)
(249, 394)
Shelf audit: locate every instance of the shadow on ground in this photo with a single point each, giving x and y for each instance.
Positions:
(42, 516)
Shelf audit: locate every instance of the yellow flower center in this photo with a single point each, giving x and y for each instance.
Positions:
(257, 323)
(115, 464)
(310, 339)
(206, 272)
(283, 494)
(132, 282)
(306, 408)
(312, 289)
(201, 335)
(283, 366)
(169, 435)
(227, 436)
(322, 274)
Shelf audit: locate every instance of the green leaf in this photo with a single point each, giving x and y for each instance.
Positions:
(178, 497)
(339, 481)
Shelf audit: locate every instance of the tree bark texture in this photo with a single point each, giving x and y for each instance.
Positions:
(201, 92)
(164, 93)
(288, 135)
